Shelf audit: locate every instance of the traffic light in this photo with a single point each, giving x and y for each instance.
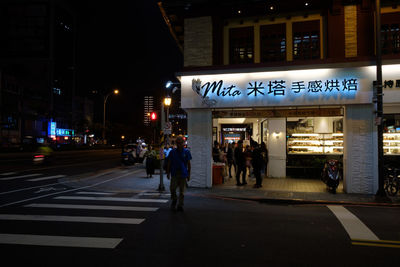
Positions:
(153, 116)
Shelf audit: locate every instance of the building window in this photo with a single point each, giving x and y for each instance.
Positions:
(390, 33)
(273, 42)
(241, 41)
(306, 40)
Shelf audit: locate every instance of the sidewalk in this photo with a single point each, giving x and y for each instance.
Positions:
(275, 191)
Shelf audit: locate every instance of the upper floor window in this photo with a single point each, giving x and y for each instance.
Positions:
(241, 41)
(390, 33)
(306, 40)
(273, 42)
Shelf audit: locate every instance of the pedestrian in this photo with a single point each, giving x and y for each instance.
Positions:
(215, 152)
(229, 159)
(240, 160)
(150, 156)
(178, 169)
(264, 153)
(248, 154)
(257, 163)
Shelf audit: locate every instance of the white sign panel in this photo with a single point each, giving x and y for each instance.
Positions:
(334, 86)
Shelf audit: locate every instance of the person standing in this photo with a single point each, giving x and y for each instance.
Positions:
(257, 163)
(150, 158)
(178, 170)
(215, 152)
(264, 153)
(240, 160)
(229, 158)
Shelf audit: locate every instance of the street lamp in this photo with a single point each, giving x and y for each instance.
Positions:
(116, 92)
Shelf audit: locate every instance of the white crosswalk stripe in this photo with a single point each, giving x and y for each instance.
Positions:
(113, 199)
(90, 207)
(94, 193)
(59, 241)
(81, 240)
(55, 218)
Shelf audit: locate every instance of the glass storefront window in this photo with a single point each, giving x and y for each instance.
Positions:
(391, 134)
(315, 135)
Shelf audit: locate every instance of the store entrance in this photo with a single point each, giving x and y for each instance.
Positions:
(298, 146)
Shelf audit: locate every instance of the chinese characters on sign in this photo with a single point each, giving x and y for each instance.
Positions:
(279, 87)
(391, 83)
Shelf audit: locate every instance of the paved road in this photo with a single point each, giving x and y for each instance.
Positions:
(78, 220)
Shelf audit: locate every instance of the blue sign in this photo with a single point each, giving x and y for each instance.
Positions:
(51, 129)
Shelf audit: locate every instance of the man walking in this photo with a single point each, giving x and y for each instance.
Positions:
(179, 168)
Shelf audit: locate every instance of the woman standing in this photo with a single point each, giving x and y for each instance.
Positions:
(150, 157)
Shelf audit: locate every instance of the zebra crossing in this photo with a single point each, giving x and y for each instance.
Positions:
(108, 203)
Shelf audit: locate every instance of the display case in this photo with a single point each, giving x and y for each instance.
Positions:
(315, 143)
(391, 143)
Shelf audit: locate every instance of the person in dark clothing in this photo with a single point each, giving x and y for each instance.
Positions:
(264, 153)
(257, 163)
(240, 160)
(150, 159)
(215, 152)
(229, 158)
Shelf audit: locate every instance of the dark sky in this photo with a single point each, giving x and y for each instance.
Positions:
(125, 45)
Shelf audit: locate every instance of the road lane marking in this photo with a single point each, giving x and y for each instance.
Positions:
(90, 207)
(94, 193)
(84, 219)
(354, 227)
(59, 241)
(122, 199)
(46, 178)
(66, 191)
(20, 176)
(376, 243)
(7, 173)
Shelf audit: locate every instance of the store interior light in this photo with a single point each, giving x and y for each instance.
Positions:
(305, 134)
(394, 134)
(337, 134)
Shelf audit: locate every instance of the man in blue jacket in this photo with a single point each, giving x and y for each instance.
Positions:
(179, 168)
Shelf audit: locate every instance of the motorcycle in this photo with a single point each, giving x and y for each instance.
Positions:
(331, 175)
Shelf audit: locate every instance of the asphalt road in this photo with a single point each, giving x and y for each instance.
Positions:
(75, 220)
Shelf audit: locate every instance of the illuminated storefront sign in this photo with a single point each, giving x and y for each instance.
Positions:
(51, 129)
(64, 132)
(234, 129)
(329, 86)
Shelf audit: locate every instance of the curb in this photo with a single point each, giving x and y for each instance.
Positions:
(282, 201)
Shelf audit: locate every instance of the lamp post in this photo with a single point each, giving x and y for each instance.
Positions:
(167, 103)
(116, 92)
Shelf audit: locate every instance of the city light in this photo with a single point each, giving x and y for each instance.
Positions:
(167, 101)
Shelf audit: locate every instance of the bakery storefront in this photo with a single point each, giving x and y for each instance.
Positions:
(304, 115)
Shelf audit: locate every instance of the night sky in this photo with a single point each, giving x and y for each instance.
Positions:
(125, 45)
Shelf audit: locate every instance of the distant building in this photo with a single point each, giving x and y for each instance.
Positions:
(37, 66)
(148, 104)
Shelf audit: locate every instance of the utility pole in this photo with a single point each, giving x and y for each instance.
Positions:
(161, 186)
(379, 101)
